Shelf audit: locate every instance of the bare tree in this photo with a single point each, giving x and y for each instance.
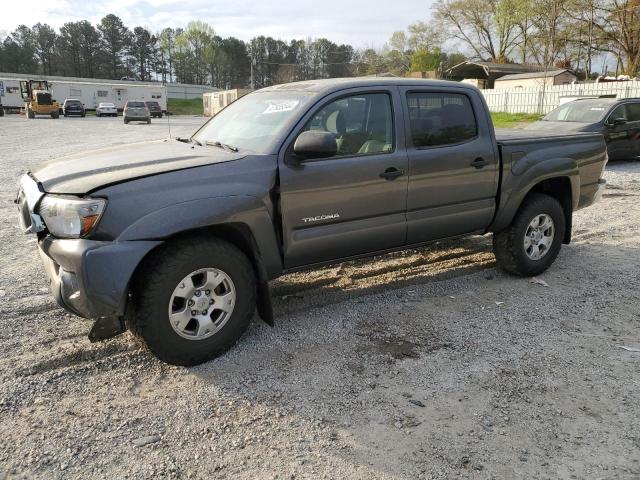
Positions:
(488, 27)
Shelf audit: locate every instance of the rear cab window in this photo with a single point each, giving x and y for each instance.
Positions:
(440, 118)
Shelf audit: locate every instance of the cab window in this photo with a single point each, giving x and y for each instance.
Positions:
(362, 124)
(440, 119)
(633, 112)
(620, 113)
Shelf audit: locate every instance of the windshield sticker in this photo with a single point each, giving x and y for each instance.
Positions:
(286, 106)
(597, 109)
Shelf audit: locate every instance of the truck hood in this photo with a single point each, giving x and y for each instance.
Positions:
(82, 173)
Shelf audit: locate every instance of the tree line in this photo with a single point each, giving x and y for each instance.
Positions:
(560, 33)
(555, 33)
(196, 54)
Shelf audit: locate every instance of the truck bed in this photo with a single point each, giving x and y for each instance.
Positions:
(580, 155)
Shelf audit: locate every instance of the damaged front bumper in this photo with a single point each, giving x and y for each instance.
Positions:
(91, 278)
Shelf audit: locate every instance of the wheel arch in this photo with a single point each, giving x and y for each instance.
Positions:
(559, 188)
(236, 233)
(558, 178)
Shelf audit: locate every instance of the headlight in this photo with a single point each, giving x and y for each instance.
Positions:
(70, 217)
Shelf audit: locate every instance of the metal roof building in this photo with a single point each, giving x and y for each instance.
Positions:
(489, 71)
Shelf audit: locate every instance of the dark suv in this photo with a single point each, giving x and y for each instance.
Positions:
(155, 110)
(73, 107)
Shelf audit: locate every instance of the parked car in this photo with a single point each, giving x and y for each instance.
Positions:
(136, 112)
(154, 108)
(106, 110)
(72, 106)
(178, 239)
(617, 119)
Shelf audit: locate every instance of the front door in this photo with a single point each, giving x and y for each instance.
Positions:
(453, 165)
(353, 203)
(617, 133)
(633, 128)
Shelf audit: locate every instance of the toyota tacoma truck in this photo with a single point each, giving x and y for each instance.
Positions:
(177, 239)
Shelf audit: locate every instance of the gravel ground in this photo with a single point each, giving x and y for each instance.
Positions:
(429, 363)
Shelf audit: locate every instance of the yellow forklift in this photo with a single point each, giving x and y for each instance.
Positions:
(37, 99)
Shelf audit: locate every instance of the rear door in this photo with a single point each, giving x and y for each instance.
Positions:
(353, 203)
(453, 163)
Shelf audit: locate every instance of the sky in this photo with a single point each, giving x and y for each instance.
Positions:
(361, 23)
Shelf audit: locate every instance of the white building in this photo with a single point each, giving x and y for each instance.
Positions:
(213, 102)
(535, 79)
(91, 92)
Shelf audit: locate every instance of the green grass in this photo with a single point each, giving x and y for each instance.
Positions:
(513, 120)
(181, 106)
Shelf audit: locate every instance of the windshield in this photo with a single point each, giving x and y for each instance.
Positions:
(107, 105)
(583, 111)
(254, 121)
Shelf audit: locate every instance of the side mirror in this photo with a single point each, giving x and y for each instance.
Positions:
(315, 144)
(619, 121)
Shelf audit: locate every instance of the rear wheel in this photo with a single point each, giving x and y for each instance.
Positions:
(149, 121)
(533, 240)
(192, 300)
(30, 113)
(55, 115)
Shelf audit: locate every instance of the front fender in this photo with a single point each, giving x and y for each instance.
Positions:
(208, 212)
(524, 175)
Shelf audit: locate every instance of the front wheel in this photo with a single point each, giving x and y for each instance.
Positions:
(192, 300)
(532, 242)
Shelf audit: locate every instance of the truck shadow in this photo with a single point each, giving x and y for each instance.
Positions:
(359, 278)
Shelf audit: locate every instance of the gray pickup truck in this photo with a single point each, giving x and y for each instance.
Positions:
(177, 239)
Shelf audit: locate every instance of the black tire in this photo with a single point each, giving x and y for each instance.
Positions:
(148, 312)
(149, 122)
(508, 245)
(126, 121)
(55, 115)
(31, 114)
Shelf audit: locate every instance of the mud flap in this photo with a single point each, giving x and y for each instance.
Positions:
(106, 327)
(265, 309)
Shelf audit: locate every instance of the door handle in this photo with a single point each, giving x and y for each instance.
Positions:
(391, 173)
(479, 162)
